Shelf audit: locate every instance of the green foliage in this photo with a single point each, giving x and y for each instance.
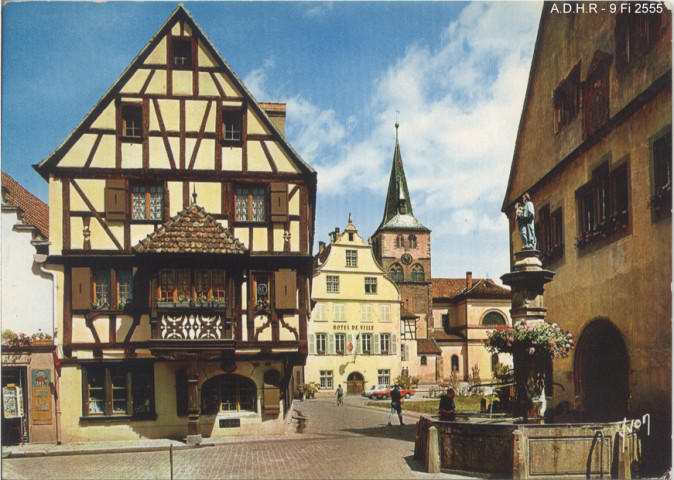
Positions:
(12, 339)
(474, 379)
(454, 380)
(406, 381)
(533, 338)
(503, 374)
(310, 389)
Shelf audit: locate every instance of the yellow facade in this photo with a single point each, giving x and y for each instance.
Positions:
(349, 318)
(179, 138)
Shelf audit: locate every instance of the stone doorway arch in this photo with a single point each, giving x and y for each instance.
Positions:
(601, 371)
(355, 383)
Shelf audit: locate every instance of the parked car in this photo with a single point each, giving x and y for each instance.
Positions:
(385, 393)
(375, 388)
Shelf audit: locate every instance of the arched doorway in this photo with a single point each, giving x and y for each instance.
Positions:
(601, 371)
(355, 383)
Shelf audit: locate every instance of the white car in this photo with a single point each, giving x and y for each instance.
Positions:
(375, 388)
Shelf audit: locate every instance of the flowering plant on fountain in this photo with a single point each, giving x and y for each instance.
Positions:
(534, 338)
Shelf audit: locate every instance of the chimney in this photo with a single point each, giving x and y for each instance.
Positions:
(469, 280)
(321, 247)
(277, 114)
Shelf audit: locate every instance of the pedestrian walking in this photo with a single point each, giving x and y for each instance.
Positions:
(396, 405)
(447, 409)
(340, 395)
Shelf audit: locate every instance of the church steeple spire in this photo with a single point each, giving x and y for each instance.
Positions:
(398, 211)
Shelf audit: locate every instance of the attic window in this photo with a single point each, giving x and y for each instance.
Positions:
(182, 52)
(231, 125)
(132, 121)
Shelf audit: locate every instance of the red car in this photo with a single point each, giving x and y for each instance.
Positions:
(385, 394)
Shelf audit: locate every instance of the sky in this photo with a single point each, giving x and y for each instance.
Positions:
(452, 74)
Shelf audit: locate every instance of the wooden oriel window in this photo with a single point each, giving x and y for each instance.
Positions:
(182, 285)
(250, 204)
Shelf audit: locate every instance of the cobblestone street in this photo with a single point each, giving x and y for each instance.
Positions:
(339, 442)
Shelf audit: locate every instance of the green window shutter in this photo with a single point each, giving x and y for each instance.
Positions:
(359, 344)
(394, 347)
(312, 344)
(376, 348)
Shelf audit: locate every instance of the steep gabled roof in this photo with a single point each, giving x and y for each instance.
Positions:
(398, 213)
(191, 231)
(33, 210)
(180, 13)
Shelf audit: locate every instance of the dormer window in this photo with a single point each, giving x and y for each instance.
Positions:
(182, 52)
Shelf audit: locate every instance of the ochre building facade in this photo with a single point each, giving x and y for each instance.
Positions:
(594, 151)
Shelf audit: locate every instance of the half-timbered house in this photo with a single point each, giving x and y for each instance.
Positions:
(182, 224)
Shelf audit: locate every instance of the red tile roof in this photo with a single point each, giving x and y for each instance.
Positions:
(191, 231)
(427, 346)
(447, 287)
(33, 210)
(455, 288)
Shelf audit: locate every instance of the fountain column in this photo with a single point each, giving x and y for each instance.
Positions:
(526, 282)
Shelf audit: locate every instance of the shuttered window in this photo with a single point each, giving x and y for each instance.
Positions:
(81, 288)
(115, 199)
(279, 202)
(286, 288)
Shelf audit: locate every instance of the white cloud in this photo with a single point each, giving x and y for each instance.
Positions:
(459, 108)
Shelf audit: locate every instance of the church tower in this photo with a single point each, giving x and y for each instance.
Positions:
(402, 246)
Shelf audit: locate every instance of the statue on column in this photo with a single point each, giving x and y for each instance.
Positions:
(524, 214)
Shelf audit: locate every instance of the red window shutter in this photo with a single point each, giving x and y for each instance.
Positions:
(285, 282)
(115, 199)
(279, 202)
(81, 288)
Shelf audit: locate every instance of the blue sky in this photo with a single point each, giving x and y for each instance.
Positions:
(455, 71)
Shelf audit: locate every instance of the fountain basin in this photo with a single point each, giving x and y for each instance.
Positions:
(501, 448)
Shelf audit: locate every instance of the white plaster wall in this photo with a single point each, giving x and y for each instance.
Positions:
(26, 292)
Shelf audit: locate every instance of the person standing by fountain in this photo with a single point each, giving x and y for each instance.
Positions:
(524, 214)
(447, 409)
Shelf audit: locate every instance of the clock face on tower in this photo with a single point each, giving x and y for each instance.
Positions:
(406, 258)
